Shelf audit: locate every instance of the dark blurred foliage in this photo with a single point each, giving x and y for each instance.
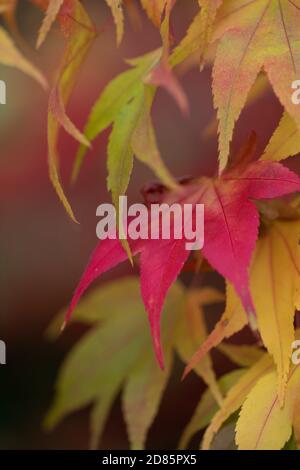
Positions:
(42, 253)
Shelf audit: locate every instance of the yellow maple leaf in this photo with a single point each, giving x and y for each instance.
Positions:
(274, 274)
(191, 331)
(233, 320)
(263, 423)
(9, 55)
(267, 37)
(236, 397)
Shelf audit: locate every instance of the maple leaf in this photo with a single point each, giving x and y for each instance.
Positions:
(275, 306)
(50, 16)
(112, 101)
(8, 10)
(209, 10)
(116, 355)
(263, 423)
(79, 31)
(285, 141)
(233, 320)
(162, 74)
(144, 143)
(236, 397)
(276, 252)
(120, 344)
(231, 227)
(199, 34)
(253, 35)
(191, 330)
(10, 56)
(118, 15)
(154, 10)
(242, 355)
(208, 407)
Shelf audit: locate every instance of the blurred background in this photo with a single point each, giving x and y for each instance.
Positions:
(42, 253)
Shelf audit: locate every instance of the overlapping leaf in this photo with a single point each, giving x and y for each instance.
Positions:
(231, 226)
(263, 423)
(276, 253)
(208, 407)
(253, 35)
(236, 397)
(116, 355)
(50, 16)
(154, 9)
(10, 56)
(79, 31)
(285, 141)
(191, 331)
(114, 98)
(116, 352)
(275, 304)
(232, 321)
(118, 15)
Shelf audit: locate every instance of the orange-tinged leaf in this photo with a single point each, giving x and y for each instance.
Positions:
(162, 75)
(118, 15)
(199, 33)
(50, 16)
(275, 268)
(285, 141)
(257, 91)
(191, 332)
(233, 320)
(154, 10)
(263, 423)
(79, 31)
(236, 396)
(209, 10)
(57, 108)
(10, 56)
(254, 35)
(7, 6)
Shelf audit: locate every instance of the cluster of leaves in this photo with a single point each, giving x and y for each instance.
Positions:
(251, 236)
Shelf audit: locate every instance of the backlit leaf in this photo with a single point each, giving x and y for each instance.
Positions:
(144, 143)
(115, 96)
(79, 31)
(285, 141)
(242, 355)
(275, 255)
(207, 407)
(253, 35)
(236, 397)
(11, 57)
(118, 15)
(263, 423)
(191, 332)
(50, 16)
(154, 9)
(232, 321)
(117, 350)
